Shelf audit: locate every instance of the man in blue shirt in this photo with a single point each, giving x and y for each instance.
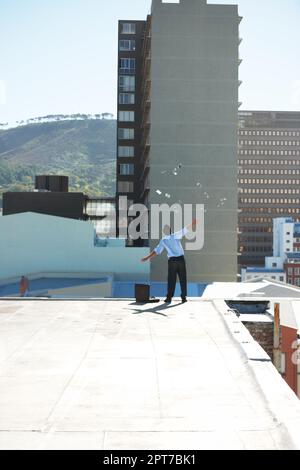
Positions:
(176, 262)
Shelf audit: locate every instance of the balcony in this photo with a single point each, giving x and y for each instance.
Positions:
(144, 188)
(145, 169)
(127, 71)
(145, 147)
(146, 66)
(146, 88)
(145, 73)
(148, 105)
(145, 126)
(145, 123)
(145, 153)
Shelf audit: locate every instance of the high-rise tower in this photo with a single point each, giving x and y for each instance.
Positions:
(185, 117)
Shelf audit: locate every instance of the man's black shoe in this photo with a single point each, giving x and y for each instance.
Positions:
(184, 300)
(167, 300)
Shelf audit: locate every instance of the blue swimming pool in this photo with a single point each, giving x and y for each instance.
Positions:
(45, 286)
(157, 289)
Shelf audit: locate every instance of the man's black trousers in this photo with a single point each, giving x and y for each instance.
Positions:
(176, 266)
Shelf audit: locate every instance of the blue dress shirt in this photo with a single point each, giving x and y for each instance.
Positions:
(171, 243)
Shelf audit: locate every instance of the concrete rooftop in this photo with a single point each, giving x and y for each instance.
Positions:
(116, 375)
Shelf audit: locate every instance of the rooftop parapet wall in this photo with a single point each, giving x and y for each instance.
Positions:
(33, 243)
(279, 398)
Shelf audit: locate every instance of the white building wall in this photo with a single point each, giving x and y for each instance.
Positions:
(274, 262)
(276, 236)
(287, 234)
(283, 232)
(33, 243)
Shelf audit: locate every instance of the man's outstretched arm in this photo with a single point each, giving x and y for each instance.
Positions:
(157, 251)
(149, 257)
(181, 233)
(192, 225)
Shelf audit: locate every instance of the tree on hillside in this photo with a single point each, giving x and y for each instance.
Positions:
(107, 115)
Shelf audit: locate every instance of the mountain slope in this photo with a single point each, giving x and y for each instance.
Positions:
(84, 150)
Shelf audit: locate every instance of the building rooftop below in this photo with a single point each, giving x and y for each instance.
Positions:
(263, 270)
(112, 374)
(260, 288)
(269, 289)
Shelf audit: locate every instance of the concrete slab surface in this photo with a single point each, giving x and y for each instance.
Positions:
(117, 375)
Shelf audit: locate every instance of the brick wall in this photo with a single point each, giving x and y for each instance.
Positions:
(262, 332)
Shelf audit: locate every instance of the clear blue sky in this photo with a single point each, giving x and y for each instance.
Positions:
(60, 56)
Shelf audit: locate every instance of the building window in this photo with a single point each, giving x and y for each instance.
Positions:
(125, 151)
(127, 45)
(126, 98)
(96, 208)
(126, 134)
(128, 28)
(104, 228)
(125, 187)
(127, 66)
(126, 169)
(126, 116)
(126, 83)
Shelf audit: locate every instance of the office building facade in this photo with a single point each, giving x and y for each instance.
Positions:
(185, 118)
(268, 179)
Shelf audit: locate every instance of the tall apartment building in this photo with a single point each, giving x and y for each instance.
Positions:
(177, 122)
(269, 179)
(131, 39)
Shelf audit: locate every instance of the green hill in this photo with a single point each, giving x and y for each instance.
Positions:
(83, 149)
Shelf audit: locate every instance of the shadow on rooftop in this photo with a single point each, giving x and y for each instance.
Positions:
(157, 310)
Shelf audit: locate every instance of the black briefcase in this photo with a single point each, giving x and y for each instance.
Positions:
(142, 292)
